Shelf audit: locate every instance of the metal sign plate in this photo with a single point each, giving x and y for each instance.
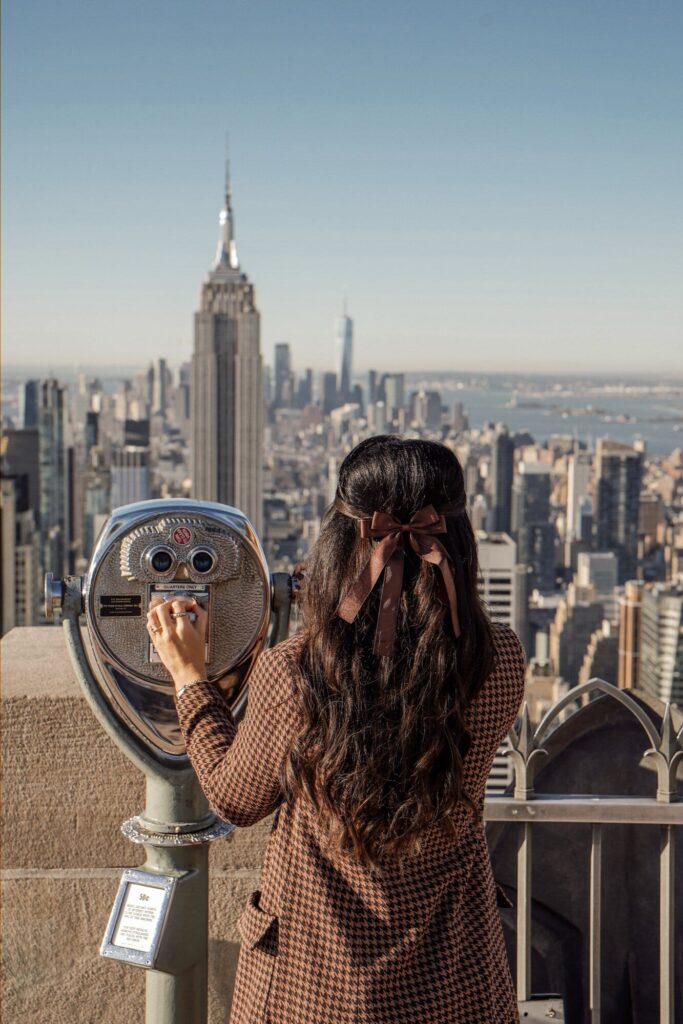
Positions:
(541, 1009)
(138, 917)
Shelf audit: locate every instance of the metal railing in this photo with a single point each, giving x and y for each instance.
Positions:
(526, 807)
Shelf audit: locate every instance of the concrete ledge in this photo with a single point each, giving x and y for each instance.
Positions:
(67, 787)
(53, 927)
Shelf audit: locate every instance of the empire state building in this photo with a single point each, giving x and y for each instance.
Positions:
(227, 393)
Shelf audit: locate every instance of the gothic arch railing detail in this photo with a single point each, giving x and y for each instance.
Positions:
(525, 808)
(666, 746)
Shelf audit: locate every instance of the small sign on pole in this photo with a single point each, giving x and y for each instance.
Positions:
(137, 920)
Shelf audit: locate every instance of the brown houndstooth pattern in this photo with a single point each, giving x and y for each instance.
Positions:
(327, 942)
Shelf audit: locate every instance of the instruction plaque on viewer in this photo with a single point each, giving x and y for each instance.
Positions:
(137, 919)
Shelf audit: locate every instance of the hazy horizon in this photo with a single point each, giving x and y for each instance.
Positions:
(114, 368)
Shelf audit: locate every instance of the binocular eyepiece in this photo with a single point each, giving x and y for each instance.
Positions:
(150, 552)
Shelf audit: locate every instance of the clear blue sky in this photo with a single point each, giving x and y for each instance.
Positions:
(496, 185)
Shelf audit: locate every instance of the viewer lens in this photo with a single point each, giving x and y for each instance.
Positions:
(202, 561)
(161, 561)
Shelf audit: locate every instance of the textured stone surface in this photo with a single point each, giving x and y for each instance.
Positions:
(53, 926)
(66, 790)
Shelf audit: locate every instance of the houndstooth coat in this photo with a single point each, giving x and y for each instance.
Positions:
(327, 942)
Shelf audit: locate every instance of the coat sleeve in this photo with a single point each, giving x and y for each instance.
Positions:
(514, 670)
(238, 766)
(496, 710)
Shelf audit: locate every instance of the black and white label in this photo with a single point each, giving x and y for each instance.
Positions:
(120, 605)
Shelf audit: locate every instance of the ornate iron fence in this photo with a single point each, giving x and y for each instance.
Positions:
(525, 807)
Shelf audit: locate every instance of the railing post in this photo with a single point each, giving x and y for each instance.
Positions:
(524, 910)
(666, 924)
(594, 948)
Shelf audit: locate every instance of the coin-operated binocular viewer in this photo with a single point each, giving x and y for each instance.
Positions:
(148, 552)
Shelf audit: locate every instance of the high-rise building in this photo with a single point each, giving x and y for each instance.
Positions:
(343, 419)
(650, 515)
(284, 378)
(459, 420)
(97, 501)
(630, 609)
(21, 554)
(330, 394)
(601, 657)
(8, 525)
(304, 391)
(576, 619)
(618, 470)
(136, 433)
(503, 580)
(344, 345)
(183, 407)
(502, 466)
(30, 403)
(92, 429)
(597, 569)
(227, 389)
(56, 477)
(661, 642)
(578, 478)
(532, 527)
(376, 418)
(160, 392)
(426, 409)
(394, 390)
(130, 476)
(372, 387)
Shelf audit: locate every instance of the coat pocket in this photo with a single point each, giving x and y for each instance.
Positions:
(502, 898)
(258, 928)
(257, 960)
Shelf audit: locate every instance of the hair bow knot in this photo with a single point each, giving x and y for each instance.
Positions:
(388, 558)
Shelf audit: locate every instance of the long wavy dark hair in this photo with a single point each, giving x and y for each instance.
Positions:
(381, 748)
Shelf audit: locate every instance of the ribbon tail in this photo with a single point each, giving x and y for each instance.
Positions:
(449, 583)
(437, 555)
(385, 631)
(352, 603)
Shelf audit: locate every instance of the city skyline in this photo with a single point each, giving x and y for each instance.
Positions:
(484, 206)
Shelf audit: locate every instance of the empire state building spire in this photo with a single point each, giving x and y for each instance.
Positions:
(226, 253)
(227, 383)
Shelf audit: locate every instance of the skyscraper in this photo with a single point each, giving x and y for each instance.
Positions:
(578, 477)
(630, 609)
(284, 378)
(661, 641)
(619, 470)
(532, 527)
(502, 467)
(394, 391)
(330, 394)
(130, 476)
(55, 476)
(227, 392)
(504, 581)
(344, 356)
(160, 388)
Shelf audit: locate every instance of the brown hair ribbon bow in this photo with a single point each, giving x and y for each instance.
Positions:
(388, 557)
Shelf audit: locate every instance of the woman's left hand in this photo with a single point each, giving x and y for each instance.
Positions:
(178, 641)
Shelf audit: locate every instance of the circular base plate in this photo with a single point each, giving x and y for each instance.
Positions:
(134, 830)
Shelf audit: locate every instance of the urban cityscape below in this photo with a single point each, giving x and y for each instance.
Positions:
(575, 484)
